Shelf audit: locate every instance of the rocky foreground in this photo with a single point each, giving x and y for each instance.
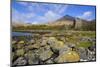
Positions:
(55, 48)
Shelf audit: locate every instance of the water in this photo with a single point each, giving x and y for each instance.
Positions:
(21, 34)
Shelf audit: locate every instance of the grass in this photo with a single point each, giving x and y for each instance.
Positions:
(85, 44)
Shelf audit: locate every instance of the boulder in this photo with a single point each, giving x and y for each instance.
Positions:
(20, 44)
(91, 55)
(20, 52)
(32, 41)
(31, 57)
(83, 53)
(55, 44)
(20, 61)
(45, 54)
(50, 61)
(14, 42)
(65, 48)
(68, 56)
(44, 41)
(36, 46)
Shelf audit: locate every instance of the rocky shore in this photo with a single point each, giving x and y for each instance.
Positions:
(51, 49)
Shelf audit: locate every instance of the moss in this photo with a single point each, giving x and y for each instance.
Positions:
(85, 44)
(89, 34)
(73, 39)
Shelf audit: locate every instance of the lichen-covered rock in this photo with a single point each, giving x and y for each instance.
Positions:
(32, 41)
(36, 46)
(19, 46)
(21, 42)
(45, 55)
(20, 61)
(20, 52)
(55, 44)
(29, 47)
(70, 45)
(68, 56)
(31, 57)
(65, 48)
(50, 61)
(92, 48)
(13, 42)
(13, 57)
(33, 46)
(58, 45)
(83, 53)
(44, 41)
(91, 55)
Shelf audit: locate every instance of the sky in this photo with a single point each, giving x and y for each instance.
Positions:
(39, 13)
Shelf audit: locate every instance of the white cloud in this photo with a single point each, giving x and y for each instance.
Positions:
(21, 17)
(50, 15)
(86, 15)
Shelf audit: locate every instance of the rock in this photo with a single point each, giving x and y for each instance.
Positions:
(44, 41)
(65, 48)
(20, 52)
(92, 48)
(51, 40)
(85, 39)
(19, 46)
(46, 54)
(67, 39)
(86, 54)
(21, 42)
(20, 61)
(61, 39)
(68, 56)
(59, 45)
(14, 42)
(91, 55)
(83, 53)
(71, 45)
(32, 58)
(36, 46)
(32, 41)
(14, 47)
(33, 46)
(13, 57)
(29, 47)
(50, 61)
(55, 44)
(47, 47)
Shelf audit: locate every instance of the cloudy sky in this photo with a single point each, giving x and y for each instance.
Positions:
(37, 13)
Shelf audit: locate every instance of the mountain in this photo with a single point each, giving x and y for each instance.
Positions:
(16, 24)
(65, 20)
(66, 17)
